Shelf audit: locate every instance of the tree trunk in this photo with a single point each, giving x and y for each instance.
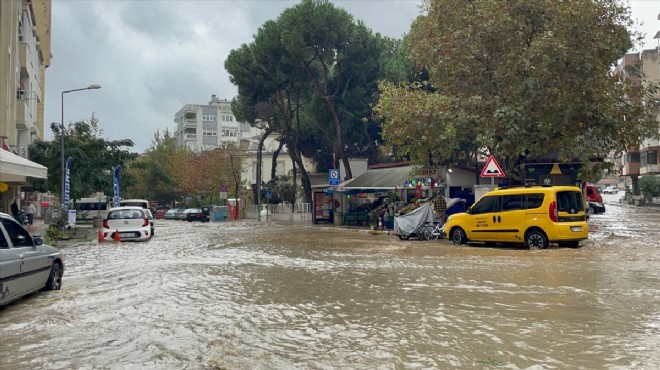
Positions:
(634, 180)
(273, 167)
(304, 176)
(339, 142)
(260, 148)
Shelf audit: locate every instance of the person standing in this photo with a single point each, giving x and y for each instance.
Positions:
(14, 210)
(30, 211)
(439, 208)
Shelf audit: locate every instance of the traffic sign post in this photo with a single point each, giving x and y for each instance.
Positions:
(492, 169)
(333, 175)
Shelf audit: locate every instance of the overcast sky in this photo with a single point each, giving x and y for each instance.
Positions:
(152, 57)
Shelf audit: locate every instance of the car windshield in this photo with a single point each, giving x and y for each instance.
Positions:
(125, 214)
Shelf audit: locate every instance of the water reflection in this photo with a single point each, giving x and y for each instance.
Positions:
(225, 296)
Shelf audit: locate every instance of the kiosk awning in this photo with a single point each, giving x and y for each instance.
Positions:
(12, 164)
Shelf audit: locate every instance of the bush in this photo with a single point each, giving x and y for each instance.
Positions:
(650, 186)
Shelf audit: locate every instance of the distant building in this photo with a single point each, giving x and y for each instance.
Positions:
(204, 127)
(643, 160)
(24, 56)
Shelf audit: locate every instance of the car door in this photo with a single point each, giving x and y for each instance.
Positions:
(483, 221)
(511, 219)
(10, 270)
(35, 264)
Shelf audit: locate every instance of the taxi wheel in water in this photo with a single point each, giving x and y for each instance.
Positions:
(458, 236)
(54, 281)
(536, 239)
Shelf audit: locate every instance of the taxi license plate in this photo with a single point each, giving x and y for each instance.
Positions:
(576, 229)
(126, 235)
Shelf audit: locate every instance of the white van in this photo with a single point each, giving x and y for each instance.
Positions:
(88, 208)
(142, 203)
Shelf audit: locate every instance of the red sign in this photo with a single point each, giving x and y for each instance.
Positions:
(492, 168)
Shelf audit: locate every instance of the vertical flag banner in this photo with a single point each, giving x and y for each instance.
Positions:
(67, 188)
(116, 185)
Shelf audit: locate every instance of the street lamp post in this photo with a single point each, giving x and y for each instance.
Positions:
(90, 87)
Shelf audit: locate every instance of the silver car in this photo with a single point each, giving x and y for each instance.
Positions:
(27, 264)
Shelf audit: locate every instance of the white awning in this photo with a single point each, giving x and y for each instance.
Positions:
(12, 164)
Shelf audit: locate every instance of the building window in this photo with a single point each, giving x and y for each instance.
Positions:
(209, 117)
(208, 132)
(632, 157)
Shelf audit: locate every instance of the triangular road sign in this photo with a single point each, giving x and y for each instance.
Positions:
(492, 168)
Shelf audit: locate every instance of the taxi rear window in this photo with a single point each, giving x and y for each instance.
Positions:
(569, 201)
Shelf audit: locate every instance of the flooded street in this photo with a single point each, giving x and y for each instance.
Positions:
(235, 296)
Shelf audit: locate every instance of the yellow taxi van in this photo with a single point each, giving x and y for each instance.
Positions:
(533, 216)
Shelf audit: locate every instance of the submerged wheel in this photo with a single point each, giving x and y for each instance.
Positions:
(54, 281)
(536, 239)
(458, 236)
(403, 237)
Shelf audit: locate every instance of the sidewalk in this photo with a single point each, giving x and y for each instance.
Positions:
(38, 227)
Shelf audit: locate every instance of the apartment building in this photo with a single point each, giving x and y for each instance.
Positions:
(24, 56)
(204, 127)
(643, 160)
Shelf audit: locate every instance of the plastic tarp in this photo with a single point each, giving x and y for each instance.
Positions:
(408, 224)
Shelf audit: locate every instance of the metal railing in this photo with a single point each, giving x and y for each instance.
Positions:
(282, 208)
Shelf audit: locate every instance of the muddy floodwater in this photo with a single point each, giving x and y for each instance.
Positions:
(246, 296)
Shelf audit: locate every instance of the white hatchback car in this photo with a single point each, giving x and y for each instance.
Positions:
(130, 223)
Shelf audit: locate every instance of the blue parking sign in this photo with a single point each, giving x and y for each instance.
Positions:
(334, 177)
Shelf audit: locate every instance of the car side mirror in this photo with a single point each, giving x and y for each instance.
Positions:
(38, 240)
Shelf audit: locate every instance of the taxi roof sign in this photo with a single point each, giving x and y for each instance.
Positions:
(492, 168)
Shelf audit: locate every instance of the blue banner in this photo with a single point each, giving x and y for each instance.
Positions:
(67, 188)
(116, 185)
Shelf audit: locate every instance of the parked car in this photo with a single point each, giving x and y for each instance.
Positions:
(593, 194)
(131, 223)
(594, 199)
(206, 213)
(169, 215)
(160, 214)
(611, 190)
(181, 214)
(27, 264)
(151, 221)
(194, 214)
(533, 216)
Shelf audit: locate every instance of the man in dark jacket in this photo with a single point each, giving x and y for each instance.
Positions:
(14, 209)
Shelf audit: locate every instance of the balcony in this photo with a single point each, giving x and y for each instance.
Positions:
(189, 137)
(189, 123)
(649, 169)
(24, 59)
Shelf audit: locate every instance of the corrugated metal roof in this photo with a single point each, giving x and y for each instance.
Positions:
(381, 178)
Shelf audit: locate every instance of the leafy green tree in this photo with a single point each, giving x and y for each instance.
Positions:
(270, 85)
(281, 189)
(155, 171)
(650, 186)
(516, 79)
(93, 159)
(342, 60)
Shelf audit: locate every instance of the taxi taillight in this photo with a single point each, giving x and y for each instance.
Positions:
(146, 222)
(552, 212)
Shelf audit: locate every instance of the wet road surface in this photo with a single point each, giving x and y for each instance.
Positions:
(243, 296)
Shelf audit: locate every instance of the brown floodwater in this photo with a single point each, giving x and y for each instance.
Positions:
(272, 296)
